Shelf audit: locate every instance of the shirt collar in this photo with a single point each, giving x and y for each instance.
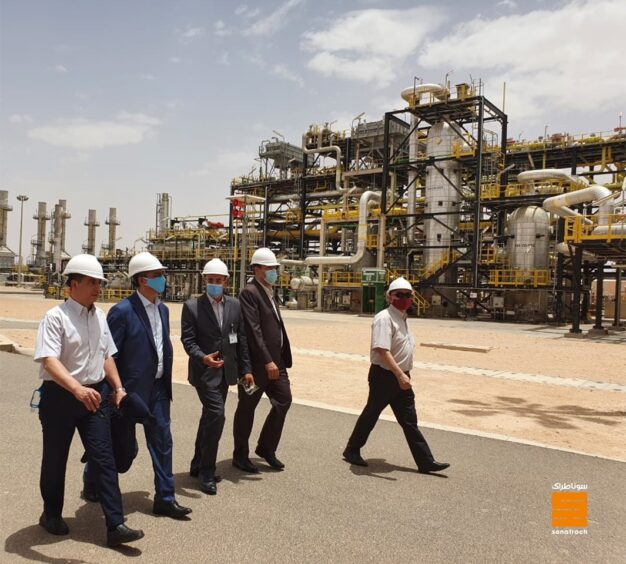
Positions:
(395, 312)
(214, 302)
(146, 302)
(79, 309)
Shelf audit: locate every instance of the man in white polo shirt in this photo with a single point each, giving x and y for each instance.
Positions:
(389, 379)
(74, 348)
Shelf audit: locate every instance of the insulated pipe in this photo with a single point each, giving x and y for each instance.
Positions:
(412, 191)
(563, 249)
(551, 174)
(412, 94)
(364, 202)
(559, 205)
(328, 149)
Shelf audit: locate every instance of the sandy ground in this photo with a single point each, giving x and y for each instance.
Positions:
(587, 420)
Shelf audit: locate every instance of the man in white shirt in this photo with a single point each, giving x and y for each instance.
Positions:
(391, 357)
(74, 348)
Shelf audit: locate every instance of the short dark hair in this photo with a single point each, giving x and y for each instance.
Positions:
(74, 276)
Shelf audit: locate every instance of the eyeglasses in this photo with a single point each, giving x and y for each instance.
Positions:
(402, 295)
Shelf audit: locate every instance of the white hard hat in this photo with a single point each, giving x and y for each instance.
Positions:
(143, 262)
(215, 266)
(400, 284)
(87, 265)
(264, 257)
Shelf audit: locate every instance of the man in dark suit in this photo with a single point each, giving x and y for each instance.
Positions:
(212, 332)
(271, 356)
(140, 327)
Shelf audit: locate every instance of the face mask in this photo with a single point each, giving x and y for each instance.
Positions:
(214, 290)
(157, 284)
(271, 276)
(402, 303)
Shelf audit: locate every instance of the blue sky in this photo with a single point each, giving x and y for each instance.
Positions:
(107, 103)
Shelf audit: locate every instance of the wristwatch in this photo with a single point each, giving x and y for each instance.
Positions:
(120, 389)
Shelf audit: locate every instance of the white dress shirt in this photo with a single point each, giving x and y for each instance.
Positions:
(218, 309)
(391, 332)
(154, 315)
(270, 295)
(79, 338)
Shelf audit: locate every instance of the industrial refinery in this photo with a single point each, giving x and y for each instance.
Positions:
(482, 225)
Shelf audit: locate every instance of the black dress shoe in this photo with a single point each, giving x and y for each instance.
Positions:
(434, 466)
(245, 465)
(54, 525)
(208, 487)
(195, 472)
(271, 459)
(353, 457)
(170, 509)
(122, 534)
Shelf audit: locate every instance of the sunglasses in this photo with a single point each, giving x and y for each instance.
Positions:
(402, 295)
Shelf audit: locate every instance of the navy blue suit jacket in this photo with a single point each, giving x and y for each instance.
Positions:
(136, 357)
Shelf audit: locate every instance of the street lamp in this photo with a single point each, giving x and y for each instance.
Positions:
(20, 275)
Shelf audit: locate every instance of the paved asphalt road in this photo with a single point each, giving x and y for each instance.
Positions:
(493, 505)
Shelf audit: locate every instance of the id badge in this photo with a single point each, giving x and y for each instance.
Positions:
(232, 338)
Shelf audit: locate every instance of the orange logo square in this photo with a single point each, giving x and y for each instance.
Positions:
(569, 509)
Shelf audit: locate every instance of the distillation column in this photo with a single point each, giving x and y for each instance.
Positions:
(163, 213)
(442, 190)
(7, 257)
(55, 239)
(91, 222)
(112, 222)
(64, 217)
(39, 244)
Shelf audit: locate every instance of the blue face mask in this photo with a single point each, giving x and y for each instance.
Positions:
(214, 290)
(157, 284)
(271, 276)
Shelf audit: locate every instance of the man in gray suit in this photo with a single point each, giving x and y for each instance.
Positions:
(214, 338)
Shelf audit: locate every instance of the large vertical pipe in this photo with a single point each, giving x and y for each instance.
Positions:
(40, 242)
(56, 236)
(5, 208)
(91, 223)
(412, 180)
(66, 215)
(599, 296)
(618, 297)
(112, 222)
(577, 282)
(478, 204)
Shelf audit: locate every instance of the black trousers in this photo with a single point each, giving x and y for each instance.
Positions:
(60, 414)
(210, 428)
(279, 393)
(384, 391)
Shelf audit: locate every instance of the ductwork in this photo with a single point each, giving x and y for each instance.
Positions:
(329, 149)
(559, 205)
(551, 174)
(366, 199)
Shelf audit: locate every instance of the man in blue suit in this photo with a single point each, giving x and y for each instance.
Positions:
(141, 330)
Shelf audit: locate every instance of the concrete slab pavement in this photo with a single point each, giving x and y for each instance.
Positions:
(492, 505)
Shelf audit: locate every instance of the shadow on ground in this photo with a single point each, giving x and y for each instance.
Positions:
(553, 417)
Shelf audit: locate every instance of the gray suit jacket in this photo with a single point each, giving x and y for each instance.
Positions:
(201, 335)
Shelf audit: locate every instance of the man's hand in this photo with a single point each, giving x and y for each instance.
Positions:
(404, 382)
(89, 397)
(248, 379)
(118, 396)
(272, 370)
(212, 360)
